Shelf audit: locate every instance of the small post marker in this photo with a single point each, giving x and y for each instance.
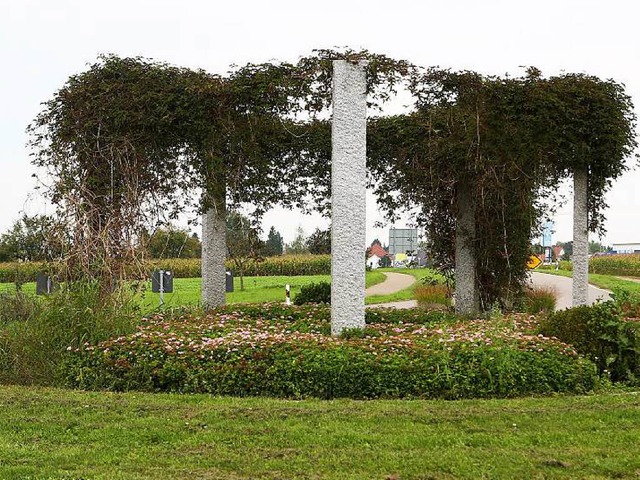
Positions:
(162, 282)
(287, 290)
(161, 287)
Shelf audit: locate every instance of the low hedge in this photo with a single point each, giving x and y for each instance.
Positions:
(286, 265)
(289, 353)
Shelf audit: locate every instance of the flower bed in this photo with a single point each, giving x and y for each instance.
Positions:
(288, 352)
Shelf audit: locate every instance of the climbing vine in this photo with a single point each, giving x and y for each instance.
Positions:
(509, 141)
(130, 139)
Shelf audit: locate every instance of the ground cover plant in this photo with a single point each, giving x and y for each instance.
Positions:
(288, 352)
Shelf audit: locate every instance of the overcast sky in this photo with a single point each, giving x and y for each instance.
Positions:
(43, 42)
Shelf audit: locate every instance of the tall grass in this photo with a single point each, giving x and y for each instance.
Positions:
(539, 300)
(430, 296)
(36, 332)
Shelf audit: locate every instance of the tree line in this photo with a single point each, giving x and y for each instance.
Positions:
(37, 238)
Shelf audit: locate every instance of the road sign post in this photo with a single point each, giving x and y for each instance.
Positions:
(533, 262)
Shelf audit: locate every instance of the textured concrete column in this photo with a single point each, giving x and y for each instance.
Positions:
(580, 238)
(466, 291)
(214, 249)
(348, 188)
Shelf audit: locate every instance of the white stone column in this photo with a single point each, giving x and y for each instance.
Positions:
(466, 291)
(348, 188)
(214, 250)
(580, 238)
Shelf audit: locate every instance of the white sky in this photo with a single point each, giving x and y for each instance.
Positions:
(43, 42)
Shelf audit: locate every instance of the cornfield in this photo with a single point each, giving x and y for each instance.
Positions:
(286, 265)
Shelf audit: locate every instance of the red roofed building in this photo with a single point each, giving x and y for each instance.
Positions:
(375, 253)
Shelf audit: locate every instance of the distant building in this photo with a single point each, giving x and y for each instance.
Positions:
(403, 240)
(377, 255)
(626, 247)
(558, 252)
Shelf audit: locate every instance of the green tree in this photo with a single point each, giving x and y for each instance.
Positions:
(243, 243)
(597, 247)
(298, 244)
(319, 242)
(172, 242)
(274, 244)
(33, 238)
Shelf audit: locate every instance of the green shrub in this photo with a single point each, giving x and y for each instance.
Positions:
(20, 272)
(314, 293)
(38, 334)
(628, 302)
(603, 335)
(275, 351)
(432, 277)
(417, 316)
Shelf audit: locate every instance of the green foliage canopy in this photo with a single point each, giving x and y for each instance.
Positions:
(510, 141)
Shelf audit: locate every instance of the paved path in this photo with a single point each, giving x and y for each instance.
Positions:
(562, 287)
(394, 283)
(401, 304)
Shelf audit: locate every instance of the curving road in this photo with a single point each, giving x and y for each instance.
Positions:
(563, 286)
(392, 284)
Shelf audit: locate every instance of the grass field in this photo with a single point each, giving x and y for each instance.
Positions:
(50, 433)
(258, 289)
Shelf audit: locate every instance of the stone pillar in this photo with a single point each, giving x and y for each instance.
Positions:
(580, 238)
(466, 291)
(214, 250)
(348, 188)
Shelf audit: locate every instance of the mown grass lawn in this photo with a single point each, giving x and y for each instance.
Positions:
(51, 433)
(407, 293)
(257, 289)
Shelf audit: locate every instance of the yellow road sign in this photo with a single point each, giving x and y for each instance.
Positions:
(533, 262)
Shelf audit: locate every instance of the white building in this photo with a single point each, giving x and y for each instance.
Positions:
(373, 262)
(626, 247)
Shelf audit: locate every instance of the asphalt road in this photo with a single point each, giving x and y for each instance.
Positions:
(562, 287)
